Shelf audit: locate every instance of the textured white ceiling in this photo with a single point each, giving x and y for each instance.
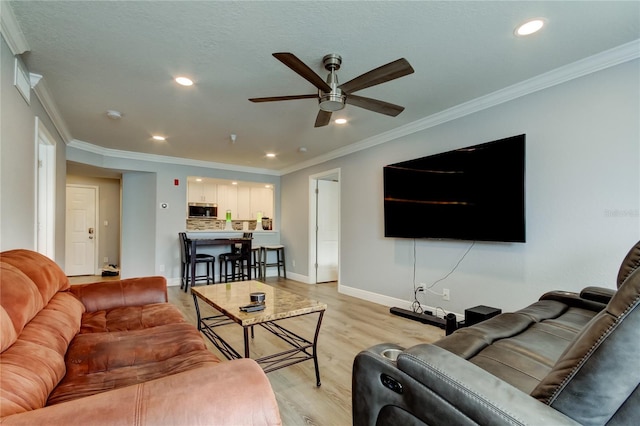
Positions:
(97, 55)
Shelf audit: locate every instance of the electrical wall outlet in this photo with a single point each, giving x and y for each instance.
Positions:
(161, 268)
(106, 260)
(445, 294)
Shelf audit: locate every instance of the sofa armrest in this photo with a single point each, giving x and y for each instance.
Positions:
(230, 393)
(128, 292)
(575, 300)
(438, 387)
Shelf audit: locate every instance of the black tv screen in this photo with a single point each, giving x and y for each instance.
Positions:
(475, 193)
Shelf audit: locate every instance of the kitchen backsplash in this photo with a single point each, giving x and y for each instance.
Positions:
(203, 224)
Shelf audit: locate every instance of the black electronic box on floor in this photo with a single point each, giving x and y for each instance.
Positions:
(479, 313)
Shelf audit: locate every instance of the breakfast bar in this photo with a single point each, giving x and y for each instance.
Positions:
(194, 243)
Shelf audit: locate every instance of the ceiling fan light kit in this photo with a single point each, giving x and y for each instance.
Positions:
(333, 96)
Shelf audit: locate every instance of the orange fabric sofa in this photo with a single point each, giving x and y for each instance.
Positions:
(114, 352)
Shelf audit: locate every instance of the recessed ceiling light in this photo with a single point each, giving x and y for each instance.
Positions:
(113, 114)
(529, 27)
(184, 81)
(198, 180)
(159, 138)
(234, 183)
(271, 155)
(341, 121)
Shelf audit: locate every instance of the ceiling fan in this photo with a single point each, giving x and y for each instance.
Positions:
(333, 96)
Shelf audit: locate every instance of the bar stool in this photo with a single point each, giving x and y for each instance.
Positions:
(185, 266)
(232, 267)
(280, 260)
(256, 270)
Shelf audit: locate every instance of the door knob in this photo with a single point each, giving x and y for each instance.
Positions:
(90, 230)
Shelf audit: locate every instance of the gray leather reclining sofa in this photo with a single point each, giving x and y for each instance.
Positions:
(567, 359)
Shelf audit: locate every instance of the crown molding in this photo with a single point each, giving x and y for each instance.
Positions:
(608, 58)
(139, 156)
(11, 30)
(40, 88)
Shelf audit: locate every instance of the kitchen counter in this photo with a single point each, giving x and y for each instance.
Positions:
(259, 238)
(233, 232)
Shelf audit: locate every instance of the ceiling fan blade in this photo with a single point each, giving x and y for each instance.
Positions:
(283, 98)
(292, 61)
(388, 72)
(375, 105)
(323, 118)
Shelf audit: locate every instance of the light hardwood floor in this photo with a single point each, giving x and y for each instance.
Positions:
(349, 326)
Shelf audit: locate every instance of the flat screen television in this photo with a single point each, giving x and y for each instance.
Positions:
(475, 193)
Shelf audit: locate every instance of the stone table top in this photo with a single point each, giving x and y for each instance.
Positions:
(279, 303)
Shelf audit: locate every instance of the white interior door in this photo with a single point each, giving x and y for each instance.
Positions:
(328, 213)
(81, 230)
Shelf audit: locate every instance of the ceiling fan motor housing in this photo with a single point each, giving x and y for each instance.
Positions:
(334, 100)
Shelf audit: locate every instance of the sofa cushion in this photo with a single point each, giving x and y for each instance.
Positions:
(98, 362)
(34, 364)
(48, 277)
(594, 379)
(130, 318)
(520, 347)
(20, 302)
(128, 292)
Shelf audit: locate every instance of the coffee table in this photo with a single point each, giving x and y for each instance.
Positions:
(279, 304)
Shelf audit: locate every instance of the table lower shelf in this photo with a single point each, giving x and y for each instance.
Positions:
(302, 349)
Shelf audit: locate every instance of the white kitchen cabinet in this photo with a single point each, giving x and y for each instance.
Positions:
(244, 204)
(262, 201)
(245, 199)
(227, 200)
(202, 192)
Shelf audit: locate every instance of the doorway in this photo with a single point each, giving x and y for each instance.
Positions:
(324, 226)
(45, 191)
(81, 231)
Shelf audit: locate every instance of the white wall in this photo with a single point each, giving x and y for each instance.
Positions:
(17, 165)
(583, 201)
(139, 224)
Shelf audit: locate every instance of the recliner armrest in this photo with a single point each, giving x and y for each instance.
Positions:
(598, 294)
(439, 387)
(115, 294)
(574, 299)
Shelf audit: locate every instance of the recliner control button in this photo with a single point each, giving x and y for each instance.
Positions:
(391, 383)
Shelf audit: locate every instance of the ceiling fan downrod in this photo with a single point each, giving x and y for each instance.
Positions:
(334, 100)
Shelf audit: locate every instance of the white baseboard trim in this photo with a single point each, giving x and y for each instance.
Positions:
(297, 277)
(383, 300)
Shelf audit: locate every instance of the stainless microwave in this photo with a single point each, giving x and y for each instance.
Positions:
(203, 210)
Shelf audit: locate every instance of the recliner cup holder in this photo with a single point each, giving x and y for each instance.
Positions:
(391, 354)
